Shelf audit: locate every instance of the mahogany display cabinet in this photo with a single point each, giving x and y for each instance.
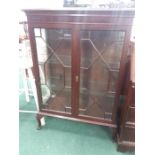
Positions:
(79, 59)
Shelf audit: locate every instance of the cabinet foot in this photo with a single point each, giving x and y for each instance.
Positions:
(39, 127)
(125, 147)
(38, 117)
(114, 134)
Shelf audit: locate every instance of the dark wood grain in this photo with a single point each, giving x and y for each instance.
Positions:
(132, 69)
(126, 132)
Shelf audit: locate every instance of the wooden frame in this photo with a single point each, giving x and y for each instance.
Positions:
(126, 130)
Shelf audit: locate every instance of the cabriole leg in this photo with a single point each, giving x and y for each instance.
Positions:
(38, 117)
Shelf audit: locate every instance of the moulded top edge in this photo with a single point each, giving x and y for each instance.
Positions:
(128, 11)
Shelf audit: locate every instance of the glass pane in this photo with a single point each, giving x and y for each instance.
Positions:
(54, 56)
(99, 68)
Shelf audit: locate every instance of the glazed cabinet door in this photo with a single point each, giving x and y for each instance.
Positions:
(54, 52)
(100, 56)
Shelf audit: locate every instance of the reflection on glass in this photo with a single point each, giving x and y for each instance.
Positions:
(100, 3)
(99, 68)
(54, 58)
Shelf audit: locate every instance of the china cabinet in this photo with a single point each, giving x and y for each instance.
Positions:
(79, 59)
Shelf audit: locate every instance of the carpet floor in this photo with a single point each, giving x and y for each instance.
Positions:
(62, 137)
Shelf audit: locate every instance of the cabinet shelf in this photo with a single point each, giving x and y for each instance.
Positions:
(114, 67)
